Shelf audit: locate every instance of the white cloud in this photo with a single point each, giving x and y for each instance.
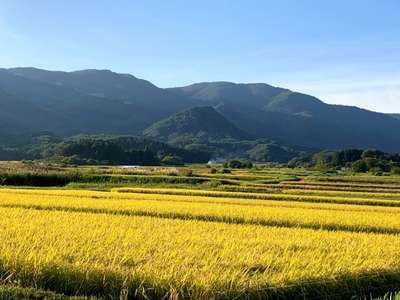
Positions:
(374, 86)
(383, 99)
(382, 94)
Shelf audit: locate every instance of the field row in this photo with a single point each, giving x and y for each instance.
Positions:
(355, 179)
(335, 188)
(209, 196)
(370, 185)
(77, 254)
(388, 200)
(347, 194)
(260, 212)
(289, 195)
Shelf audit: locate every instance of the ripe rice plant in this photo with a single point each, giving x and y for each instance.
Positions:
(249, 240)
(301, 197)
(355, 179)
(344, 184)
(124, 193)
(381, 220)
(179, 195)
(77, 254)
(335, 188)
(346, 194)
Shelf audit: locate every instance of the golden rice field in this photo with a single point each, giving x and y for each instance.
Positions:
(180, 243)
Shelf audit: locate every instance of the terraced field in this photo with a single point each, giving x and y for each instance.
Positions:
(292, 239)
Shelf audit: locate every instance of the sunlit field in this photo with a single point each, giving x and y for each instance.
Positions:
(237, 239)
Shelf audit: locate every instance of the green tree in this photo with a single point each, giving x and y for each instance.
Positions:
(360, 166)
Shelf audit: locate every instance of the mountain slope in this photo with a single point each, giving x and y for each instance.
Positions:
(198, 122)
(110, 85)
(296, 118)
(92, 101)
(18, 116)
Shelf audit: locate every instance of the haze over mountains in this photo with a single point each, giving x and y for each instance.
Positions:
(100, 101)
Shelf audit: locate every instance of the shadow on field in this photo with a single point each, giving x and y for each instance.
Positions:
(107, 284)
(366, 285)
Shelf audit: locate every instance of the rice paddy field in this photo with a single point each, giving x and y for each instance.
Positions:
(264, 233)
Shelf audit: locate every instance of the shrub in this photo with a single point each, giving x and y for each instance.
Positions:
(359, 166)
(395, 170)
(238, 164)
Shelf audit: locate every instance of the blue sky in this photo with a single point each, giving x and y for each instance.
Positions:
(345, 52)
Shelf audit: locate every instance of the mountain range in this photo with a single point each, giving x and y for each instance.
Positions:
(295, 118)
(100, 101)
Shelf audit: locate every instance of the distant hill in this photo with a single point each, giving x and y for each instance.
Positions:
(203, 123)
(206, 129)
(280, 114)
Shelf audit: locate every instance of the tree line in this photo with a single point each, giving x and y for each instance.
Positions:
(358, 160)
(112, 150)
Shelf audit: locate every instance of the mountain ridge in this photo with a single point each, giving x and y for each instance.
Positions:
(101, 101)
(297, 118)
(82, 101)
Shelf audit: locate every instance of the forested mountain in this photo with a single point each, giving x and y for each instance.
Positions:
(18, 115)
(100, 101)
(202, 123)
(296, 118)
(205, 128)
(112, 86)
(90, 101)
